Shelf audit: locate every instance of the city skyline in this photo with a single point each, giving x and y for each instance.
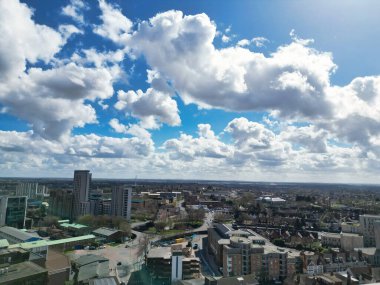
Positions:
(246, 91)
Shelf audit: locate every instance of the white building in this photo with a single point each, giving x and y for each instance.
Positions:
(368, 229)
(350, 241)
(82, 180)
(345, 241)
(121, 201)
(32, 190)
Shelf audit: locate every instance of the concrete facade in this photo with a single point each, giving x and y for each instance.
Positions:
(121, 201)
(81, 203)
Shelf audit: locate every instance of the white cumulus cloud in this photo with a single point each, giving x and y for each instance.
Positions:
(151, 107)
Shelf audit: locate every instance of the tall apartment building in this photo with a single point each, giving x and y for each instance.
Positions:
(61, 203)
(367, 224)
(13, 211)
(32, 190)
(81, 203)
(121, 201)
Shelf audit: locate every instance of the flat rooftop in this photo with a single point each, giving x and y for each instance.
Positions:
(105, 231)
(75, 226)
(160, 252)
(30, 245)
(21, 270)
(72, 239)
(4, 243)
(56, 261)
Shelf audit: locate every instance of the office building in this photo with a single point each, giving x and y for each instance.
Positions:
(121, 202)
(81, 203)
(13, 211)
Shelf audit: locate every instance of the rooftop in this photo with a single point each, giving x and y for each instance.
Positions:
(76, 226)
(367, 250)
(30, 245)
(105, 231)
(330, 235)
(160, 252)
(88, 259)
(17, 234)
(72, 239)
(21, 270)
(93, 270)
(4, 243)
(370, 216)
(105, 281)
(56, 261)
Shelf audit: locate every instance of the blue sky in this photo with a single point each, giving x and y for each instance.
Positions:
(240, 90)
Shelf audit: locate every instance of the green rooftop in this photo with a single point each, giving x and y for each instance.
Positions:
(76, 226)
(4, 243)
(30, 245)
(41, 243)
(66, 240)
(63, 221)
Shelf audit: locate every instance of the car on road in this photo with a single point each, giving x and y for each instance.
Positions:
(195, 246)
(119, 263)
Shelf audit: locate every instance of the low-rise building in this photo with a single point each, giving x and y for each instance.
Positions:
(350, 241)
(13, 255)
(346, 241)
(58, 266)
(23, 273)
(71, 243)
(14, 235)
(351, 227)
(90, 266)
(38, 249)
(75, 229)
(330, 239)
(169, 264)
(109, 235)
